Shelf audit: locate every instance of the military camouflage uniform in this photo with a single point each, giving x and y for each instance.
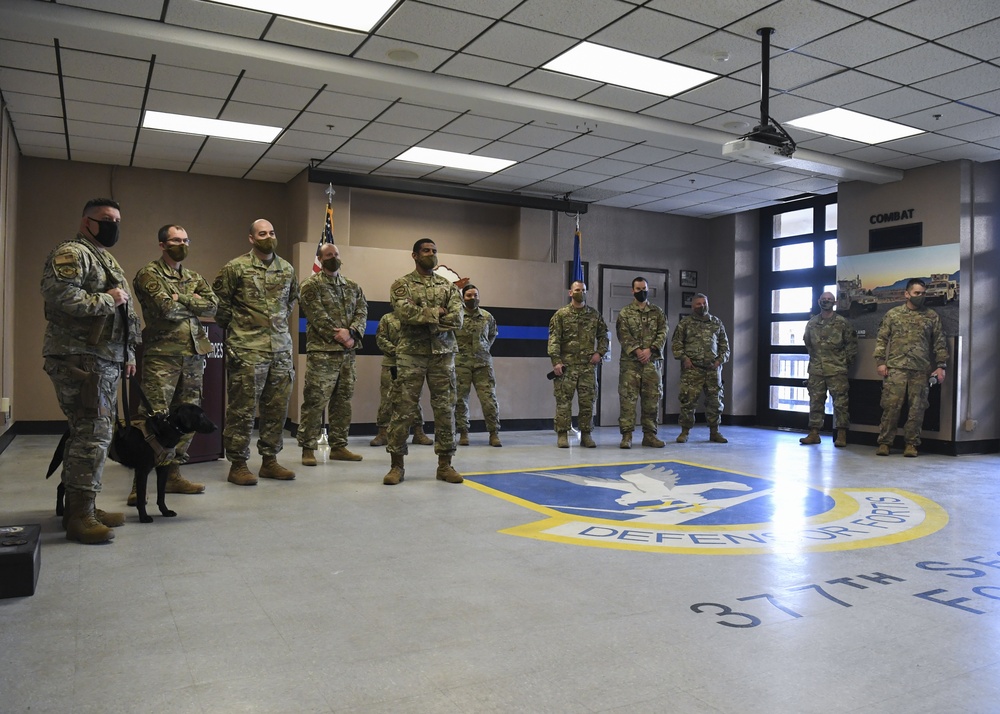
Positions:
(640, 327)
(474, 366)
(703, 341)
(255, 304)
(386, 337)
(911, 344)
(832, 345)
(575, 334)
(174, 341)
(426, 349)
(86, 343)
(328, 303)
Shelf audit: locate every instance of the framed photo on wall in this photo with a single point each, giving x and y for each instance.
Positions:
(687, 299)
(689, 278)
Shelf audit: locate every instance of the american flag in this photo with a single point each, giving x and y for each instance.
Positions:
(327, 236)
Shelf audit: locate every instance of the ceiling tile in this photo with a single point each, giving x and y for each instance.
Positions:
(610, 167)
(979, 41)
(51, 124)
(920, 143)
(453, 142)
(326, 124)
(975, 152)
(349, 105)
(974, 131)
(115, 95)
(942, 117)
(576, 177)
(389, 133)
(28, 56)
(720, 53)
(519, 45)
(691, 162)
(643, 154)
(725, 94)
(101, 112)
(487, 8)
(966, 82)
(374, 149)
(717, 13)
(175, 103)
(918, 63)
(860, 43)
(509, 151)
(624, 200)
(417, 117)
(42, 138)
(33, 104)
(482, 69)
(867, 7)
(895, 103)
(502, 183)
(433, 25)
(321, 143)
(304, 34)
(482, 127)
(653, 174)
(650, 33)
(790, 71)
(696, 181)
(553, 84)
(925, 17)
(628, 100)
(533, 135)
(797, 22)
(872, 154)
(576, 18)
(621, 184)
(217, 18)
(594, 145)
(988, 102)
(681, 111)
(39, 83)
(734, 170)
(406, 169)
(663, 190)
(351, 162)
(298, 154)
(96, 130)
(844, 88)
(561, 159)
(378, 49)
(531, 171)
(149, 9)
(286, 96)
(165, 163)
(258, 114)
(192, 81)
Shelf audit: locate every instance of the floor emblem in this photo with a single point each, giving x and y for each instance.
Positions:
(680, 507)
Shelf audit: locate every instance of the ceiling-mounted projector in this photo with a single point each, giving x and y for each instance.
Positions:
(755, 151)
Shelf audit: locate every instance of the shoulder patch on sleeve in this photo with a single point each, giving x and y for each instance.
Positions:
(399, 291)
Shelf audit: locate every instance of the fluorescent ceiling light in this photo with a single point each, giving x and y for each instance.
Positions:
(209, 127)
(361, 15)
(857, 127)
(454, 160)
(626, 69)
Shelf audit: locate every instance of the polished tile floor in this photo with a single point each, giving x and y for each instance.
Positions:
(334, 593)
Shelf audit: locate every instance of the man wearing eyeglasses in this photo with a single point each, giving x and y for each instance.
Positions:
(174, 300)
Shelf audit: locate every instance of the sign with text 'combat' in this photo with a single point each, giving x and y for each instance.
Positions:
(680, 507)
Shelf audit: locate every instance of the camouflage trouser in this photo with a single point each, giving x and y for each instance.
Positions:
(838, 386)
(411, 370)
(329, 383)
(580, 379)
(694, 381)
(641, 383)
(387, 401)
(260, 381)
(485, 381)
(897, 386)
(169, 381)
(87, 390)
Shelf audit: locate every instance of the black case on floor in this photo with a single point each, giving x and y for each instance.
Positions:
(20, 560)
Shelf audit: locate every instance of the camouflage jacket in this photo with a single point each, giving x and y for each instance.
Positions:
(422, 330)
(641, 327)
(704, 341)
(386, 337)
(82, 317)
(479, 330)
(832, 345)
(329, 303)
(911, 339)
(255, 302)
(575, 334)
(173, 327)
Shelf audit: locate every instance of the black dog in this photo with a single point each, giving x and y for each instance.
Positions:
(130, 448)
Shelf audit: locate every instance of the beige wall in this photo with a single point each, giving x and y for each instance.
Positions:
(8, 218)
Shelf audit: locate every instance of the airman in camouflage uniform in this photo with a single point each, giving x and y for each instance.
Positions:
(909, 349)
(173, 300)
(256, 294)
(386, 337)
(642, 333)
(87, 340)
(578, 341)
(832, 345)
(336, 313)
(702, 346)
(474, 366)
(429, 308)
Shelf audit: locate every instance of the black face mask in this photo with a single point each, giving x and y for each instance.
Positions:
(332, 264)
(472, 303)
(641, 295)
(107, 232)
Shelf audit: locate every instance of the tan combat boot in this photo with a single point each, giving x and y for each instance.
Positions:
(563, 440)
(683, 436)
(445, 471)
(420, 438)
(882, 450)
(811, 438)
(841, 439)
(910, 451)
(178, 484)
(308, 457)
(111, 519)
(130, 501)
(586, 440)
(81, 524)
(241, 475)
(272, 469)
(495, 439)
(381, 439)
(342, 453)
(463, 437)
(396, 471)
(626, 441)
(715, 436)
(652, 441)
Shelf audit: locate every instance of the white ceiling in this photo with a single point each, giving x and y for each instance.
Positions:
(76, 75)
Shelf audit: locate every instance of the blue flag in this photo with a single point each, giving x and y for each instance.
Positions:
(577, 264)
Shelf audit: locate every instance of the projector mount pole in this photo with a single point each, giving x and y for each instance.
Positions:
(765, 78)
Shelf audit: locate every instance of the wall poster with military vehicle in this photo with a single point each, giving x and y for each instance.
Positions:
(870, 284)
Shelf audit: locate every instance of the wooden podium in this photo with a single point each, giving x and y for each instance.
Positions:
(204, 447)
